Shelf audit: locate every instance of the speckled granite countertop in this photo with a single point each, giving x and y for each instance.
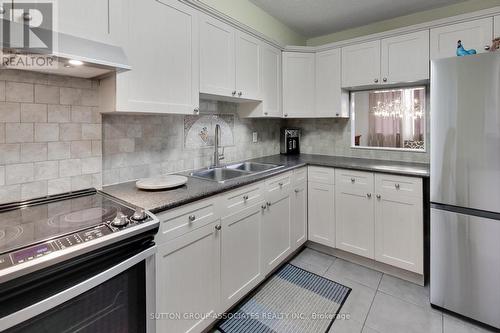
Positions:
(195, 189)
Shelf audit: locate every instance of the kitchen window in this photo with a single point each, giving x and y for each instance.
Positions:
(389, 118)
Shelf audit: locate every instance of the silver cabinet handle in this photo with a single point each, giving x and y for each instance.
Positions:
(264, 206)
(286, 114)
(218, 227)
(384, 79)
(265, 113)
(239, 94)
(268, 204)
(245, 197)
(487, 47)
(337, 114)
(368, 195)
(280, 184)
(192, 218)
(353, 180)
(233, 93)
(375, 80)
(196, 110)
(297, 190)
(397, 186)
(379, 196)
(27, 17)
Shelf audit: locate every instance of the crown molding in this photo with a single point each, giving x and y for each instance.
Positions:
(231, 21)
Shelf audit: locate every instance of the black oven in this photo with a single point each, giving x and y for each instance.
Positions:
(101, 291)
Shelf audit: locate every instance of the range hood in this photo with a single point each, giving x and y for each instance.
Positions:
(93, 59)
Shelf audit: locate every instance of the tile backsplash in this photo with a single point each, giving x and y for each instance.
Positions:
(50, 135)
(333, 137)
(149, 145)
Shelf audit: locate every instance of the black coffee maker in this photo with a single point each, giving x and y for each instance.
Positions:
(289, 141)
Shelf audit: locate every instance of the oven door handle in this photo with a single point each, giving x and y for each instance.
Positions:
(34, 310)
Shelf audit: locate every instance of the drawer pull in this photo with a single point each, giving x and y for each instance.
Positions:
(268, 204)
(264, 206)
(245, 197)
(397, 186)
(353, 180)
(368, 195)
(192, 218)
(379, 196)
(280, 184)
(297, 190)
(218, 227)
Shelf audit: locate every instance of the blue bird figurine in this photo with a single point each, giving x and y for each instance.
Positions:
(463, 52)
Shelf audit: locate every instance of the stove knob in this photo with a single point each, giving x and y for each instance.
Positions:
(139, 215)
(120, 221)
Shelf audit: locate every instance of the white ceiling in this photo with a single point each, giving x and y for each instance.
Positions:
(312, 18)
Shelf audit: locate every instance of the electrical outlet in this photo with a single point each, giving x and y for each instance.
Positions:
(254, 137)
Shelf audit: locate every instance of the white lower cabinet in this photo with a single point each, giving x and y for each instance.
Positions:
(241, 254)
(188, 279)
(321, 213)
(299, 215)
(354, 221)
(398, 224)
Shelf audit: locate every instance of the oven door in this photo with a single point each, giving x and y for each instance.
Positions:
(107, 291)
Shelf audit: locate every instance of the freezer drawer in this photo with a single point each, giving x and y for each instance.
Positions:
(465, 265)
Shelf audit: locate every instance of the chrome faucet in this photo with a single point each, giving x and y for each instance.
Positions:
(217, 156)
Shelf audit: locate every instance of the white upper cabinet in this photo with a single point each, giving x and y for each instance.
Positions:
(328, 85)
(164, 76)
(496, 25)
(217, 63)
(298, 84)
(405, 58)
(247, 61)
(475, 34)
(361, 64)
(271, 81)
(74, 17)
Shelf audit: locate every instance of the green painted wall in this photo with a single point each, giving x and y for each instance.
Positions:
(247, 13)
(402, 21)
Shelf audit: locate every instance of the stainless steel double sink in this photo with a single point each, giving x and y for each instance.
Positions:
(233, 171)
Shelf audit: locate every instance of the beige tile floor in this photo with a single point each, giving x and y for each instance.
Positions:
(380, 303)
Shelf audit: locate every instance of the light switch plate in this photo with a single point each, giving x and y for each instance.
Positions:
(254, 137)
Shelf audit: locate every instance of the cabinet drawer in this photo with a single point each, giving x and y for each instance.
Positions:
(322, 175)
(300, 175)
(186, 218)
(241, 198)
(399, 185)
(279, 183)
(354, 179)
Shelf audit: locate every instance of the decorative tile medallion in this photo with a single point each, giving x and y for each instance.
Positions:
(199, 131)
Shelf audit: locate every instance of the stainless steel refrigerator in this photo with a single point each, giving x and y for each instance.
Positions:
(465, 186)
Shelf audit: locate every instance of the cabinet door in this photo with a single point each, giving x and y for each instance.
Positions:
(354, 221)
(321, 213)
(496, 25)
(405, 58)
(270, 71)
(73, 18)
(298, 84)
(217, 67)
(241, 254)
(276, 227)
(473, 34)
(299, 215)
(188, 279)
(361, 64)
(399, 231)
(247, 59)
(165, 72)
(328, 82)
